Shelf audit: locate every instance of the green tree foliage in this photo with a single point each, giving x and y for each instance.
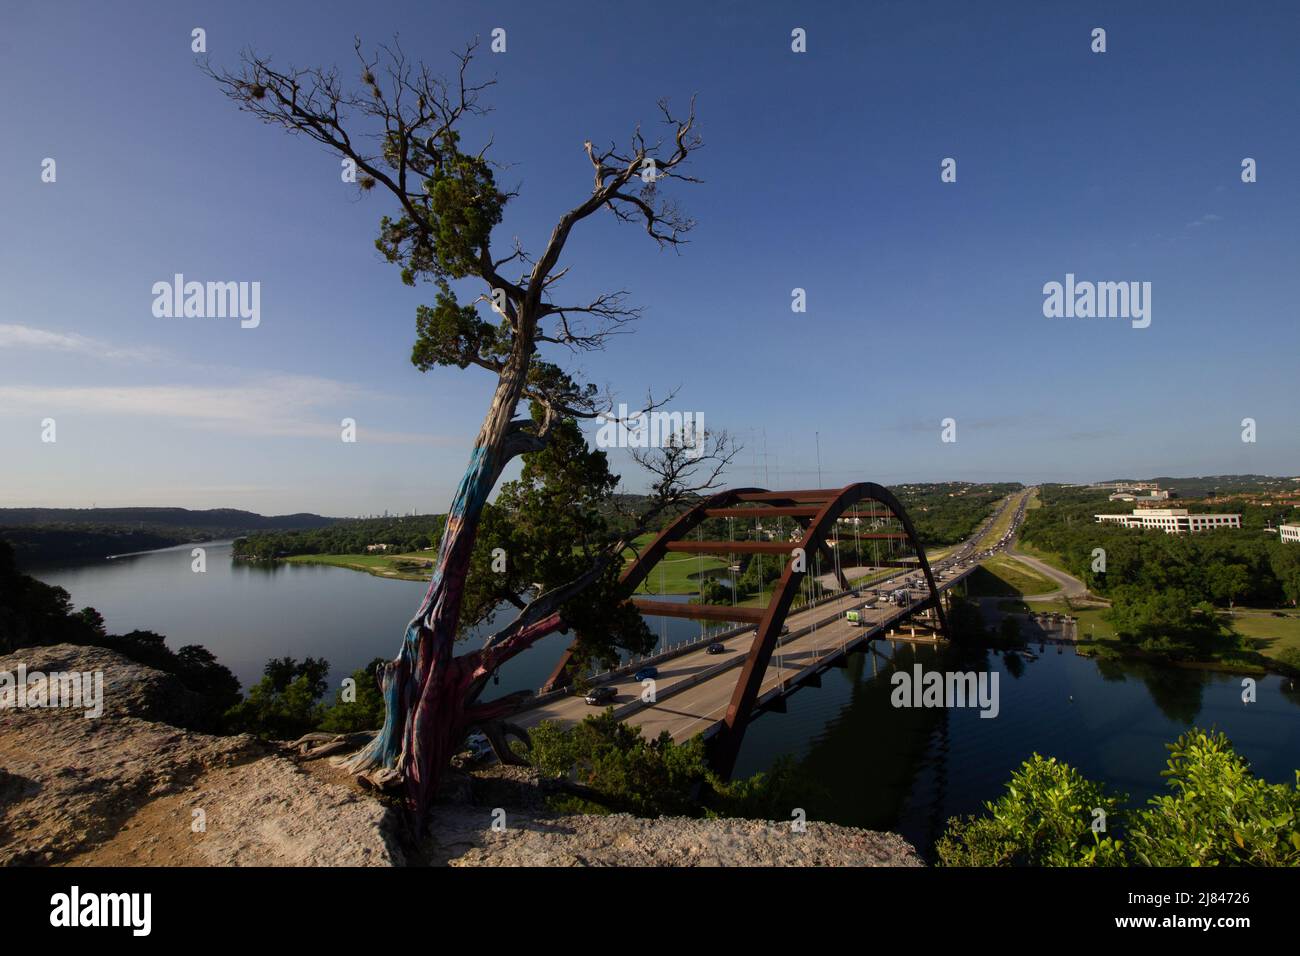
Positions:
(285, 704)
(1290, 658)
(1164, 588)
(625, 772)
(550, 526)
(1284, 562)
(366, 712)
(948, 512)
(649, 778)
(49, 535)
(1220, 567)
(1218, 814)
(349, 536)
(1044, 819)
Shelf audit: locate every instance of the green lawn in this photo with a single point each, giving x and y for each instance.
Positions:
(1270, 634)
(1047, 557)
(679, 573)
(1004, 575)
(406, 567)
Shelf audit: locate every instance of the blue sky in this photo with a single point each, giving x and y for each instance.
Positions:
(821, 171)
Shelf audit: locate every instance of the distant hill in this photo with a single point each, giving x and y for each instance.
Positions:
(158, 517)
(59, 535)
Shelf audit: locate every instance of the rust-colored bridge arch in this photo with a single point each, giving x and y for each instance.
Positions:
(817, 511)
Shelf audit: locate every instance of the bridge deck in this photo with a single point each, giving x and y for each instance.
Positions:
(694, 689)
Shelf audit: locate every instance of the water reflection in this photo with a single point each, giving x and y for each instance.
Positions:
(863, 762)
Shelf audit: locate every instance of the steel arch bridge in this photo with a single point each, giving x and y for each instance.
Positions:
(816, 513)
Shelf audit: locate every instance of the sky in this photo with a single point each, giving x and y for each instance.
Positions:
(821, 171)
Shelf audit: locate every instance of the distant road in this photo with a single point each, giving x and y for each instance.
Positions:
(1071, 587)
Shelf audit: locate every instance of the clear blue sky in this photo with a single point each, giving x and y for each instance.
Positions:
(821, 171)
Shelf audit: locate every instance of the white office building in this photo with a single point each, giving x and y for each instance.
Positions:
(1171, 520)
(1289, 532)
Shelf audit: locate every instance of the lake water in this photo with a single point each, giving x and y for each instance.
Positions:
(865, 762)
(247, 614)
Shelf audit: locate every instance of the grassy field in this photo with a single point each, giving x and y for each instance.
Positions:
(405, 567)
(999, 527)
(679, 574)
(1004, 575)
(1047, 557)
(1270, 633)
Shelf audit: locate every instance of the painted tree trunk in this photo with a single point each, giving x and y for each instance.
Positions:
(426, 688)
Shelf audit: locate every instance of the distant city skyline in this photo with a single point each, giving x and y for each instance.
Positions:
(926, 301)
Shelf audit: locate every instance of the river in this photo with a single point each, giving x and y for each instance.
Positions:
(862, 761)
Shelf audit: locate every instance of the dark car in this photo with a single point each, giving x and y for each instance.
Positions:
(646, 673)
(600, 695)
(715, 648)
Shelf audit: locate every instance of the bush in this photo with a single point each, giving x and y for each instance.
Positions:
(366, 712)
(1218, 815)
(625, 772)
(629, 773)
(286, 702)
(1290, 658)
(1044, 819)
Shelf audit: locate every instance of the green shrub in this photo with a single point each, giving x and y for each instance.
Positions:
(629, 773)
(285, 704)
(625, 772)
(1044, 819)
(1219, 814)
(366, 712)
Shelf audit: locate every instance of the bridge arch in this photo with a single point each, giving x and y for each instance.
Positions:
(817, 512)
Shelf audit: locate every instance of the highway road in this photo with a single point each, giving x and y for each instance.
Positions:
(693, 689)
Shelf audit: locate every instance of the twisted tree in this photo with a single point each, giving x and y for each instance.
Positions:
(403, 132)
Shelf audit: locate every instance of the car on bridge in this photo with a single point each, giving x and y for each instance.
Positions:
(601, 695)
(646, 673)
(715, 648)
